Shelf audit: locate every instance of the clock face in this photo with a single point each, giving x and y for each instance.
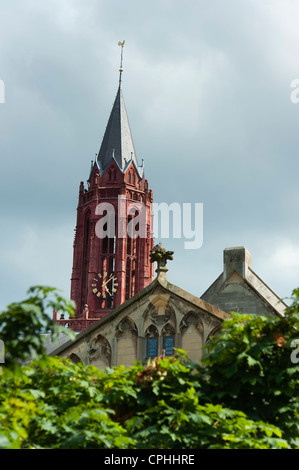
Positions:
(103, 285)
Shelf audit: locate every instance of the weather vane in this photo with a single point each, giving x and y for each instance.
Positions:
(121, 58)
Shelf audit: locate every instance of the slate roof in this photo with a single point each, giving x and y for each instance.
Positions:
(117, 141)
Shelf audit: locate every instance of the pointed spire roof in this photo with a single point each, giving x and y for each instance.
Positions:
(117, 141)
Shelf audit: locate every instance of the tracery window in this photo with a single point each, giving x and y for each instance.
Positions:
(168, 339)
(152, 347)
(168, 345)
(158, 345)
(152, 336)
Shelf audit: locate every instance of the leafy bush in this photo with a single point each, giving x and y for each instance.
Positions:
(249, 368)
(243, 395)
(22, 324)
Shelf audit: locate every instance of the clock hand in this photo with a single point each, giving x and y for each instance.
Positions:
(108, 280)
(107, 290)
(104, 283)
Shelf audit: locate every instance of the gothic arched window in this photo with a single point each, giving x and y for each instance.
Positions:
(152, 337)
(127, 337)
(74, 358)
(168, 339)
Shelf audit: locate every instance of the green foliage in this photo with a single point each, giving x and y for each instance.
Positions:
(249, 368)
(56, 404)
(244, 395)
(175, 415)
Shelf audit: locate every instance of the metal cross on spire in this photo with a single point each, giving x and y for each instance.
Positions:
(121, 59)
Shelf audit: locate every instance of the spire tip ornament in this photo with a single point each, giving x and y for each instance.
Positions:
(121, 43)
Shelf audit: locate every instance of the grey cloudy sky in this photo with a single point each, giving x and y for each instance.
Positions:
(207, 89)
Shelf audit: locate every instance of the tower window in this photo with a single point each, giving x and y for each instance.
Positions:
(105, 245)
(129, 238)
(85, 260)
(112, 245)
(112, 174)
(128, 278)
(131, 177)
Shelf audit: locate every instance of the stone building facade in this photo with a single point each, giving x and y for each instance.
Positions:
(156, 320)
(240, 289)
(163, 316)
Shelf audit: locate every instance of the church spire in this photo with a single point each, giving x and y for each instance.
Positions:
(110, 263)
(117, 141)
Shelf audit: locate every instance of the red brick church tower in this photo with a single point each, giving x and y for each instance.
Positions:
(113, 234)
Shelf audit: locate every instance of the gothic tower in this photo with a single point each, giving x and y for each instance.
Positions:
(113, 234)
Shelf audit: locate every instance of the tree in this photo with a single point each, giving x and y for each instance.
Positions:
(22, 323)
(243, 395)
(250, 368)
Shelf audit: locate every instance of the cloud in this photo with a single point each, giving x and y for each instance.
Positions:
(34, 255)
(286, 257)
(207, 88)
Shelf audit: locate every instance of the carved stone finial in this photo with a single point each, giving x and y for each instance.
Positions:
(161, 256)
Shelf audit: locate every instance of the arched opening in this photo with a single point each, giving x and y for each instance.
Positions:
(100, 352)
(107, 263)
(191, 328)
(152, 337)
(75, 358)
(132, 254)
(168, 335)
(85, 260)
(126, 334)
